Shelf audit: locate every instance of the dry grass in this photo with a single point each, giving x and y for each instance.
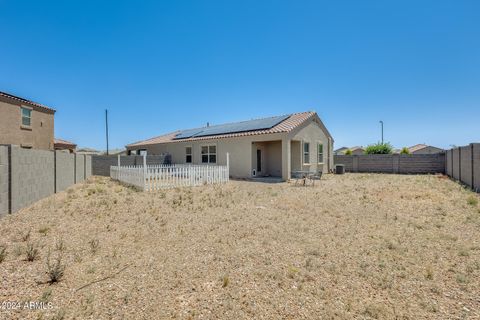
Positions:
(354, 246)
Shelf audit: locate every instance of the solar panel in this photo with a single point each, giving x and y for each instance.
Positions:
(250, 125)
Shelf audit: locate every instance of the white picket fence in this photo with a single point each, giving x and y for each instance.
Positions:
(156, 177)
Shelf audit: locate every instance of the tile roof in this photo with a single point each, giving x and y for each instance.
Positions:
(417, 147)
(22, 100)
(287, 125)
(61, 142)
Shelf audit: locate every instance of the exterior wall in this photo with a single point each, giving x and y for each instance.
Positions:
(311, 132)
(32, 176)
(79, 168)
(428, 150)
(3, 180)
(38, 136)
(64, 170)
(393, 163)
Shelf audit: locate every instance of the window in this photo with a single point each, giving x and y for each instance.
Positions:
(209, 154)
(142, 152)
(188, 154)
(26, 117)
(306, 152)
(320, 153)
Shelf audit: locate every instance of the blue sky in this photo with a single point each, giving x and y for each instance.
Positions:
(159, 66)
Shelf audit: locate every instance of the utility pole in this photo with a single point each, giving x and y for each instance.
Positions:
(106, 127)
(381, 123)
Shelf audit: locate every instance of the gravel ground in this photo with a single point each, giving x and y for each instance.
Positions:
(356, 246)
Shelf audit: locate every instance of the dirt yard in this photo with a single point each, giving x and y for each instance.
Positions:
(357, 246)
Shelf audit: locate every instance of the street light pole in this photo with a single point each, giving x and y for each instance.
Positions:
(106, 127)
(381, 122)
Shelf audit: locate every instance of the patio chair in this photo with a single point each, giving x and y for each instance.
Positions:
(316, 176)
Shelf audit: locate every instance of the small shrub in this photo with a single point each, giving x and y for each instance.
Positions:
(348, 152)
(55, 271)
(405, 151)
(3, 253)
(31, 252)
(472, 200)
(379, 148)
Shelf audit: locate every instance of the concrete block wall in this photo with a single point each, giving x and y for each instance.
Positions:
(101, 164)
(79, 168)
(4, 180)
(465, 165)
(393, 163)
(32, 176)
(64, 170)
(88, 166)
(28, 175)
(476, 166)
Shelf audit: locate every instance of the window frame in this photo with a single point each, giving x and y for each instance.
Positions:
(320, 154)
(29, 117)
(189, 154)
(208, 153)
(308, 153)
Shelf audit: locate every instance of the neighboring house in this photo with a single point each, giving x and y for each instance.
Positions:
(263, 147)
(116, 152)
(340, 151)
(89, 151)
(26, 123)
(60, 144)
(424, 149)
(355, 150)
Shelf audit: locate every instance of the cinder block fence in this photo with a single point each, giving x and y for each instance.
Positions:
(463, 164)
(393, 163)
(28, 175)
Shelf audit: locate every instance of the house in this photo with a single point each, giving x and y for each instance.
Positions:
(60, 144)
(424, 149)
(355, 150)
(340, 151)
(26, 123)
(89, 151)
(268, 147)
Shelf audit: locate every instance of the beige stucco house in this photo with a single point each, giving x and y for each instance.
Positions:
(271, 147)
(26, 123)
(424, 149)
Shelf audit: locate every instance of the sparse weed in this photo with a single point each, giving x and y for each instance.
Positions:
(94, 245)
(225, 281)
(44, 230)
(472, 200)
(56, 270)
(31, 252)
(3, 253)
(26, 236)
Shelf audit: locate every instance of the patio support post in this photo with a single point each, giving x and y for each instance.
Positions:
(118, 161)
(286, 159)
